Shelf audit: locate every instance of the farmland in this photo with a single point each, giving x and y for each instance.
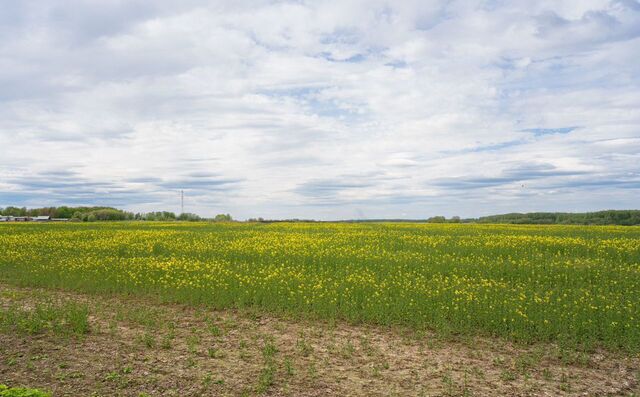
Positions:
(576, 287)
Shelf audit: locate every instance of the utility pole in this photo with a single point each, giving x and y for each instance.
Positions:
(182, 201)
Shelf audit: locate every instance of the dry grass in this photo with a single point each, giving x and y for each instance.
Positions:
(141, 348)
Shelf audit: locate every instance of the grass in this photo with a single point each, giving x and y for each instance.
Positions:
(6, 391)
(267, 375)
(574, 285)
(67, 318)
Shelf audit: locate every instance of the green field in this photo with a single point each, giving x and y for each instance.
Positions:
(576, 285)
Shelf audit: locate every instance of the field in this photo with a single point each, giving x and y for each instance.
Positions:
(570, 288)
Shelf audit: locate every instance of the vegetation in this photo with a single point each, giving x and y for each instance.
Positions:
(6, 391)
(104, 214)
(92, 214)
(140, 347)
(611, 217)
(570, 284)
(157, 216)
(223, 218)
(65, 212)
(62, 319)
(86, 214)
(187, 216)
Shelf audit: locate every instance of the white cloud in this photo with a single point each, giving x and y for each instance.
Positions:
(330, 109)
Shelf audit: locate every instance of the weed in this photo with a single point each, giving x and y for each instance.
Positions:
(269, 349)
(498, 361)
(304, 347)
(167, 341)
(215, 330)
(449, 384)
(207, 379)
(526, 361)
(6, 391)
(112, 376)
(477, 372)
(288, 366)
(312, 370)
(564, 383)
(67, 318)
(148, 340)
(266, 378)
(192, 343)
(507, 375)
(213, 352)
(365, 345)
(348, 350)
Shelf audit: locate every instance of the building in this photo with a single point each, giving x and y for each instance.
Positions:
(41, 218)
(4, 218)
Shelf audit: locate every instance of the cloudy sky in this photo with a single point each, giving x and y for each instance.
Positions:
(321, 109)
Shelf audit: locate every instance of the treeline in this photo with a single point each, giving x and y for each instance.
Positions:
(292, 220)
(609, 217)
(92, 214)
(65, 212)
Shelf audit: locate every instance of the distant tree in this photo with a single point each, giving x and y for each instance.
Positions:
(186, 216)
(84, 213)
(623, 217)
(109, 215)
(14, 211)
(63, 212)
(437, 219)
(223, 218)
(159, 216)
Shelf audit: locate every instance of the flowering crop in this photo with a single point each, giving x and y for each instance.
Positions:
(556, 283)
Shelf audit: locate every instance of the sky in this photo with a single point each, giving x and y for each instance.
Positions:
(321, 109)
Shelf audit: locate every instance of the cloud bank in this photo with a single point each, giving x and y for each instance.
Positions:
(321, 109)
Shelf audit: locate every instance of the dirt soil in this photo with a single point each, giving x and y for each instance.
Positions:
(137, 347)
